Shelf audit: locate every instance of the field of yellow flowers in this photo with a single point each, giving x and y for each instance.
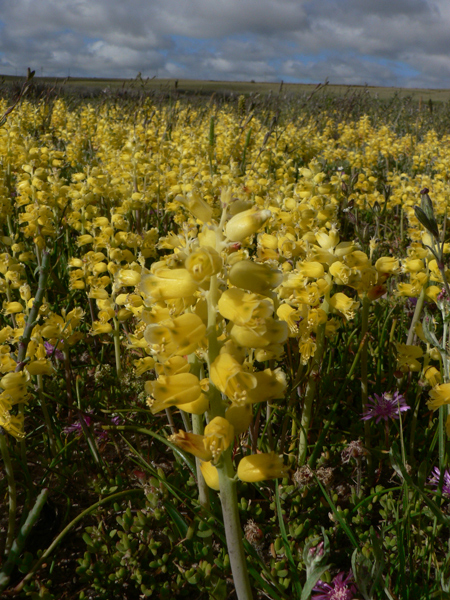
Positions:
(224, 353)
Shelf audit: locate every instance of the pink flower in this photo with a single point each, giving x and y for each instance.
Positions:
(341, 588)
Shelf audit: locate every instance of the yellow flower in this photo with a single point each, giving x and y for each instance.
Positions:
(387, 264)
(181, 335)
(240, 417)
(270, 385)
(12, 308)
(203, 263)
(258, 467)
(166, 284)
(246, 223)
(258, 278)
(230, 378)
(41, 366)
(192, 443)
(12, 424)
(345, 305)
(433, 376)
(172, 390)
(240, 307)
(264, 333)
(210, 474)
(219, 434)
(407, 357)
(196, 206)
(440, 395)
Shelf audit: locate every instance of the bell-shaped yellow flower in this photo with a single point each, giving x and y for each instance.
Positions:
(240, 307)
(245, 224)
(270, 386)
(210, 475)
(200, 209)
(345, 305)
(172, 390)
(440, 395)
(433, 376)
(255, 277)
(240, 416)
(192, 443)
(407, 357)
(219, 434)
(230, 378)
(264, 333)
(166, 284)
(259, 467)
(203, 263)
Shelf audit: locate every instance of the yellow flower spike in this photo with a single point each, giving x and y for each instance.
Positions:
(172, 390)
(259, 467)
(203, 263)
(210, 475)
(245, 224)
(257, 278)
(192, 443)
(230, 378)
(240, 416)
(345, 305)
(167, 284)
(219, 434)
(440, 396)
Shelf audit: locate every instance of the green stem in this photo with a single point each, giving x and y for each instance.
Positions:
(233, 529)
(311, 387)
(225, 468)
(417, 312)
(116, 335)
(12, 508)
(364, 371)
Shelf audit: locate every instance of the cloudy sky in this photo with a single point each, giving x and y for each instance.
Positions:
(403, 43)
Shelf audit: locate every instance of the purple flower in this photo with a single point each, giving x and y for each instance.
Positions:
(50, 349)
(435, 478)
(341, 588)
(387, 406)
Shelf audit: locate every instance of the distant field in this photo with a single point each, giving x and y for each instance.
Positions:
(192, 86)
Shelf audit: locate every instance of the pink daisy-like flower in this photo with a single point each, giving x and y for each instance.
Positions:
(387, 406)
(341, 588)
(435, 478)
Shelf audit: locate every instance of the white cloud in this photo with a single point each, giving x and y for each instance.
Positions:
(385, 42)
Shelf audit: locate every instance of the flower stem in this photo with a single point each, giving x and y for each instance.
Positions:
(12, 509)
(311, 387)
